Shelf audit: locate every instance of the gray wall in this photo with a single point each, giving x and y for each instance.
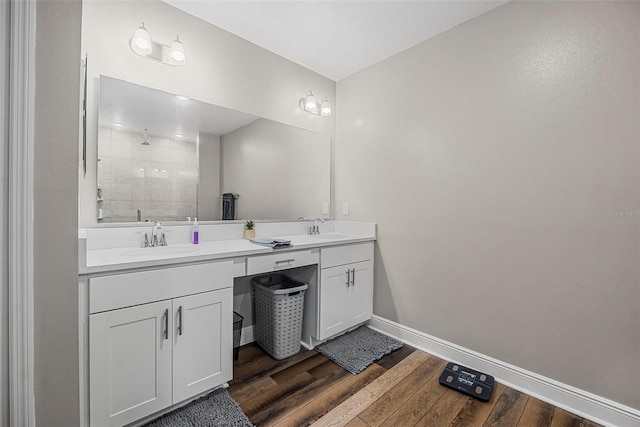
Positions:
(58, 76)
(209, 197)
(495, 159)
(280, 171)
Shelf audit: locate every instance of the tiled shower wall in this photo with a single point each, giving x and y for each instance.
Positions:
(159, 179)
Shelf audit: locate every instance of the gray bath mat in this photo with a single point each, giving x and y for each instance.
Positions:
(356, 350)
(215, 409)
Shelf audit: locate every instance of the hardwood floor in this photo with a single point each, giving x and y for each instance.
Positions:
(399, 390)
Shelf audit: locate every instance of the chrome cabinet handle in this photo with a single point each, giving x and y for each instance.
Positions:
(353, 277)
(284, 261)
(348, 276)
(180, 320)
(166, 324)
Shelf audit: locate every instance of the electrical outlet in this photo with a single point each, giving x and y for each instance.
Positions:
(325, 209)
(345, 208)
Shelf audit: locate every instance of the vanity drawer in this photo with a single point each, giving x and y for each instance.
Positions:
(281, 261)
(347, 254)
(128, 289)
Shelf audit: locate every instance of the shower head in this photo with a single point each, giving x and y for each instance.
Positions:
(144, 141)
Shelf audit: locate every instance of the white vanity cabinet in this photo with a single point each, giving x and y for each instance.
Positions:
(157, 338)
(345, 296)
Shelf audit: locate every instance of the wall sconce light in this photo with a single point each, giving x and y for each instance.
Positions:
(142, 44)
(310, 105)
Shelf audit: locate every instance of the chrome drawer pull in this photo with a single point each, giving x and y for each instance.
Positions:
(348, 276)
(180, 320)
(353, 277)
(284, 261)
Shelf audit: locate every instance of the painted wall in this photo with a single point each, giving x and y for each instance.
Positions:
(498, 160)
(55, 201)
(209, 202)
(221, 69)
(280, 171)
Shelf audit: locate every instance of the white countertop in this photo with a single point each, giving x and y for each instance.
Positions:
(127, 258)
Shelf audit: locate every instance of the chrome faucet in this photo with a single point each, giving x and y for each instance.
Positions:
(315, 229)
(157, 236)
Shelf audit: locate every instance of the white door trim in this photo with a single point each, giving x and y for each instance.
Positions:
(20, 211)
(4, 163)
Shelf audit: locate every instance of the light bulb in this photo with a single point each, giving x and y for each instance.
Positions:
(310, 104)
(325, 108)
(177, 55)
(141, 41)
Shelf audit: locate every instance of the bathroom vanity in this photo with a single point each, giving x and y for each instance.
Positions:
(156, 323)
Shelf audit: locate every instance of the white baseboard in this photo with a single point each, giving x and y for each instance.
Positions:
(579, 402)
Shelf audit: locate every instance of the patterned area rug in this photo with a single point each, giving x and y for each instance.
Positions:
(356, 350)
(215, 409)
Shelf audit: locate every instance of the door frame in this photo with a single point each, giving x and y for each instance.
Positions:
(16, 215)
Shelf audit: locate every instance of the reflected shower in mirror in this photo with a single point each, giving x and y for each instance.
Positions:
(167, 157)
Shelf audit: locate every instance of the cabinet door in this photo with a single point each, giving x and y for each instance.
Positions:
(203, 346)
(360, 293)
(333, 300)
(129, 363)
(346, 297)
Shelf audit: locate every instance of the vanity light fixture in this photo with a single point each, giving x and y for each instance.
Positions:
(142, 44)
(310, 105)
(176, 53)
(141, 41)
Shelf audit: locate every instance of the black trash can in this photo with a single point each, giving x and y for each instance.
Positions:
(237, 332)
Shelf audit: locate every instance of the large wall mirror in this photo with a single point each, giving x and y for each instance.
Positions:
(166, 157)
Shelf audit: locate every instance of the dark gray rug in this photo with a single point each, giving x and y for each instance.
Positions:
(356, 350)
(215, 409)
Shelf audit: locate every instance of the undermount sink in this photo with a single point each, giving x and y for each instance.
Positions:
(160, 251)
(329, 236)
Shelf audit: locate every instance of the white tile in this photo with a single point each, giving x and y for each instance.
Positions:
(121, 149)
(104, 146)
(162, 193)
(104, 167)
(120, 191)
(121, 209)
(122, 167)
(161, 154)
(141, 152)
(140, 189)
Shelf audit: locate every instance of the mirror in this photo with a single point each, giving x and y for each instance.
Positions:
(165, 157)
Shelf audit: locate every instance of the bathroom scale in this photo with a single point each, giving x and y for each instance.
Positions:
(466, 380)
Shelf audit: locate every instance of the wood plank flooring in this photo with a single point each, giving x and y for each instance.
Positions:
(400, 390)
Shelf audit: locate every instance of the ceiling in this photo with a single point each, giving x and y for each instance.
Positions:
(137, 108)
(336, 38)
